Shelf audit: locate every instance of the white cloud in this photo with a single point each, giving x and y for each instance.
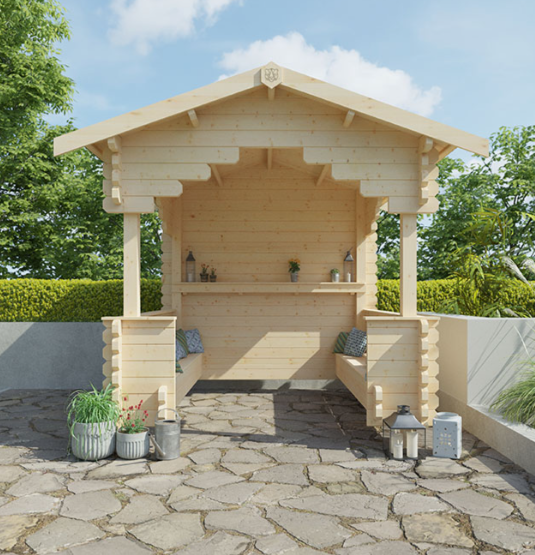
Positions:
(345, 68)
(144, 22)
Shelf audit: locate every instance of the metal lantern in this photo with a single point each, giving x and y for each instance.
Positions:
(349, 264)
(403, 427)
(190, 267)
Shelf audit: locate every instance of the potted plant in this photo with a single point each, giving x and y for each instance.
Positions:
(213, 275)
(335, 275)
(92, 417)
(204, 272)
(132, 434)
(295, 267)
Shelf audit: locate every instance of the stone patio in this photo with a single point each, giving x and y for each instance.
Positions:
(294, 472)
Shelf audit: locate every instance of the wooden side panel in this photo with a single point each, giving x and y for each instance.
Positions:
(398, 362)
(192, 372)
(148, 362)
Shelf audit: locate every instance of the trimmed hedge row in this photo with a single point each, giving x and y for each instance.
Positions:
(44, 300)
(41, 300)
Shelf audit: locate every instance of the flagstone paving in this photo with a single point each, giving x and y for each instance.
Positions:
(293, 473)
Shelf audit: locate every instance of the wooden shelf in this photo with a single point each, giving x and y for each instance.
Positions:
(274, 287)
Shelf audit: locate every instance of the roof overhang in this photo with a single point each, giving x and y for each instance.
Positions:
(293, 81)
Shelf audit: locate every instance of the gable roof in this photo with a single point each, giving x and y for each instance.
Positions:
(290, 80)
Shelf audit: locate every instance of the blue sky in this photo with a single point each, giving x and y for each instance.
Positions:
(467, 64)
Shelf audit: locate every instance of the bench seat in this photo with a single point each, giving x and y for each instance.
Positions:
(191, 373)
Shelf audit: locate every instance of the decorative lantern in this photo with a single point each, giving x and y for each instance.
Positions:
(349, 264)
(447, 435)
(190, 267)
(402, 425)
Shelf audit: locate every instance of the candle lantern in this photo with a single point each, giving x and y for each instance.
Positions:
(190, 267)
(403, 427)
(349, 264)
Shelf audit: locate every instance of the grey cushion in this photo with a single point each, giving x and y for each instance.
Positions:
(193, 338)
(356, 343)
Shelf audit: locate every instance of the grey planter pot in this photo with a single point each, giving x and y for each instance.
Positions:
(335, 278)
(133, 446)
(92, 442)
(294, 276)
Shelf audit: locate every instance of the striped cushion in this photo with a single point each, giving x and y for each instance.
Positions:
(178, 368)
(194, 341)
(181, 344)
(356, 343)
(340, 344)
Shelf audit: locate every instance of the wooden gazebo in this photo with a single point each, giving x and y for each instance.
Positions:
(249, 172)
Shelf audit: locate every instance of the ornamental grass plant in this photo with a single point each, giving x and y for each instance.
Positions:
(92, 407)
(517, 403)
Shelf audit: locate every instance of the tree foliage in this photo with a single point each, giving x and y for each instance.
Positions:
(52, 224)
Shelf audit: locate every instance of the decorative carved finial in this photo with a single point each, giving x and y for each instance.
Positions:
(271, 75)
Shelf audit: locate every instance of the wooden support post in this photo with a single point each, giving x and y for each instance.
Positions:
(216, 174)
(360, 256)
(408, 264)
(132, 265)
(271, 94)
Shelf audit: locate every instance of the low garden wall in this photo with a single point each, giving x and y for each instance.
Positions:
(479, 358)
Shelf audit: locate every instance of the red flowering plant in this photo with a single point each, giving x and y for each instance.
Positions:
(132, 419)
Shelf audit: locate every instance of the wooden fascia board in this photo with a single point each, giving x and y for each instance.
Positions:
(383, 113)
(225, 89)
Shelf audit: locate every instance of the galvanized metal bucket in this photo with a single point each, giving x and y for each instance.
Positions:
(166, 437)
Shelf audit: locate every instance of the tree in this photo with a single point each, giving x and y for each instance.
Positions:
(52, 224)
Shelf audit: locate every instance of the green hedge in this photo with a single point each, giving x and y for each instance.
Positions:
(43, 300)
(36, 300)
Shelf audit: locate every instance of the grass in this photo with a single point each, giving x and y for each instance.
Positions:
(517, 403)
(91, 407)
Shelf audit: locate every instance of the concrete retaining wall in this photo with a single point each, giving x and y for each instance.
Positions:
(50, 355)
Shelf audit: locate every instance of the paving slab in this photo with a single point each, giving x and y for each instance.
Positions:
(109, 546)
(275, 545)
(389, 530)
(233, 493)
(318, 531)
(206, 456)
(525, 503)
(247, 520)
(339, 455)
(90, 505)
(36, 483)
(433, 528)
(170, 531)
(118, 469)
(385, 483)
(381, 548)
(140, 508)
(442, 485)
(413, 503)
(273, 493)
(10, 473)
(213, 479)
(240, 469)
(161, 484)
(38, 503)
(472, 503)
(507, 535)
(169, 467)
(83, 486)
(61, 534)
(248, 456)
(483, 464)
(330, 473)
(295, 455)
(440, 468)
(12, 527)
(515, 483)
(220, 543)
(451, 551)
(352, 505)
(282, 474)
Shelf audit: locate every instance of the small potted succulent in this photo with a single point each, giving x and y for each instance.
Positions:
(204, 272)
(213, 275)
(92, 417)
(294, 268)
(133, 440)
(335, 275)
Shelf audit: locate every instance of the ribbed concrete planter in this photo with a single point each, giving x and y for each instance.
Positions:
(92, 442)
(133, 446)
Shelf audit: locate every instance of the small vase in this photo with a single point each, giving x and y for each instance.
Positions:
(213, 279)
(133, 446)
(204, 278)
(335, 278)
(294, 276)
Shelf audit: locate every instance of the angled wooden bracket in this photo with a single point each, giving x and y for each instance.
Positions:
(349, 118)
(192, 115)
(216, 174)
(428, 169)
